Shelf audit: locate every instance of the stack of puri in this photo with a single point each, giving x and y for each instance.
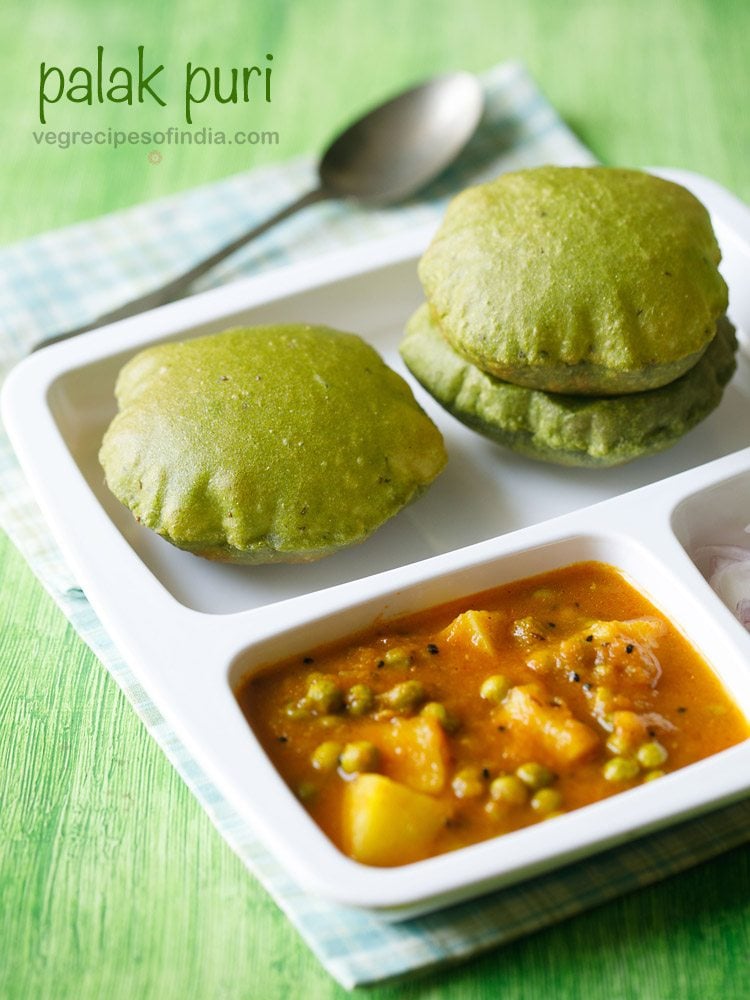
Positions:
(574, 314)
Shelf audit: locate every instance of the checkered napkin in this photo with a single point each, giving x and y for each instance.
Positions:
(62, 279)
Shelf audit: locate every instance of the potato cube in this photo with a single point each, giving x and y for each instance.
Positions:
(415, 753)
(386, 823)
(474, 629)
(552, 727)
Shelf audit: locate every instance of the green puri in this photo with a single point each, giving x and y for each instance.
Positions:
(266, 444)
(565, 429)
(582, 280)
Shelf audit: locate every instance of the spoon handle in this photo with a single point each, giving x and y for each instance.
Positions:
(180, 285)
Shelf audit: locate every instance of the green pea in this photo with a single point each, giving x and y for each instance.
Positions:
(325, 757)
(651, 754)
(324, 695)
(359, 756)
(544, 594)
(546, 801)
(296, 710)
(535, 775)
(653, 775)
(437, 711)
(468, 783)
(359, 699)
(406, 695)
(497, 810)
(508, 788)
(397, 657)
(618, 743)
(494, 688)
(620, 769)
(306, 790)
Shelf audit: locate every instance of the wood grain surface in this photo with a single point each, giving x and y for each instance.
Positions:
(113, 883)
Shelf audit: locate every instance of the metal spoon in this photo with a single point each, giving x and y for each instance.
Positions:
(385, 156)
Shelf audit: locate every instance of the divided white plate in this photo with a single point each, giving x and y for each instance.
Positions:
(190, 629)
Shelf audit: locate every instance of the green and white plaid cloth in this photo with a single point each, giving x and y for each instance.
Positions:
(62, 279)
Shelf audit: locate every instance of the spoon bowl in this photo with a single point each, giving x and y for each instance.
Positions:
(398, 147)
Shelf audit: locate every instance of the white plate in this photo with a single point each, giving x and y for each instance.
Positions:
(190, 629)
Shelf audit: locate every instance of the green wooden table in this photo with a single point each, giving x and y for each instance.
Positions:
(112, 881)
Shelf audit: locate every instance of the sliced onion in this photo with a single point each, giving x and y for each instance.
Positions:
(727, 568)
